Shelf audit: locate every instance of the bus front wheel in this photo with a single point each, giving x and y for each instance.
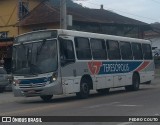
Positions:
(46, 98)
(135, 83)
(84, 90)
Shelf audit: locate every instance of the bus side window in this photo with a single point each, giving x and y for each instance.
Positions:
(137, 51)
(113, 50)
(147, 52)
(98, 49)
(83, 49)
(66, 51)
(126, 50)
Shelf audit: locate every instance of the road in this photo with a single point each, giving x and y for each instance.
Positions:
(118, 102)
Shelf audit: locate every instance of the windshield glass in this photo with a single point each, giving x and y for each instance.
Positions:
(35, 58)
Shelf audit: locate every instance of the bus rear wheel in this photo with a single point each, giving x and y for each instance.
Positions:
(103, 91)
(46, 98)
(84, 90)
(135, 83)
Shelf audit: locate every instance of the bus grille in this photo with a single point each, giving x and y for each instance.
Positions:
(32, 85)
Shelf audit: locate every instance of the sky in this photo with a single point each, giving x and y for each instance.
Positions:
(143, 10)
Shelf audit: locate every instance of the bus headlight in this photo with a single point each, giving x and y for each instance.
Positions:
(54, 77)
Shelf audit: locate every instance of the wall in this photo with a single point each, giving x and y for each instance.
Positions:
(9, 15)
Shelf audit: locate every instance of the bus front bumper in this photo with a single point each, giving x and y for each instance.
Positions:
(31, 92)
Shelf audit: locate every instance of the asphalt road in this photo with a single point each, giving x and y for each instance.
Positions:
(118, 102)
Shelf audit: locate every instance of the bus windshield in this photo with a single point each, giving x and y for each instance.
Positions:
(35, 57)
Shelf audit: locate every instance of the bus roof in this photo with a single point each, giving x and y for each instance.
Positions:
(62, 32)
(99, 36)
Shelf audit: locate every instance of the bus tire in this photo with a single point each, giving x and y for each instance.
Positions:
(135, 83)
(46, 98)
(84, 90)
(103, 91)
(2, 89)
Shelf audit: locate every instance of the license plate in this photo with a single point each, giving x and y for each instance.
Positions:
(31, 91)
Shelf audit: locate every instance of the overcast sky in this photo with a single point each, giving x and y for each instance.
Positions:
(144, 10)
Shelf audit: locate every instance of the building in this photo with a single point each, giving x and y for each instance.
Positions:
(45, 16)
(11, 12)
(154, 35)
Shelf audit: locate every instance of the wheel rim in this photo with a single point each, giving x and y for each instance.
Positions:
(137, 83)
(85, 88)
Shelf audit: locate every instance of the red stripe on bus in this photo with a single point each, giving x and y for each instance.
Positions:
(144, 65)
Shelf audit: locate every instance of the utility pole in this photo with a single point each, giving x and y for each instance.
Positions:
(63, 14)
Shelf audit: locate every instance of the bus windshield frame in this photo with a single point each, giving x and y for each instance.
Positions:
(35, 57)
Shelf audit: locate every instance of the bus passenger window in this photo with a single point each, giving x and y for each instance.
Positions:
(98, 49)
(66, 51)
(126, 50)
(113, 50)
(83, 50)
(147, 52)
(137, 51)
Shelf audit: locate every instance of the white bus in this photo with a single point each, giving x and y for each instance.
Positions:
(54, 62)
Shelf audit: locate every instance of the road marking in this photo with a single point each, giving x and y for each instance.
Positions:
(129, 105)
(101, 105)
(125, 123)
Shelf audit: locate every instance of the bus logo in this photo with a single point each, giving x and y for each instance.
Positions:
(94, 67)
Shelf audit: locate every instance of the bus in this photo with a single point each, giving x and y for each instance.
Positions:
(56, 62)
